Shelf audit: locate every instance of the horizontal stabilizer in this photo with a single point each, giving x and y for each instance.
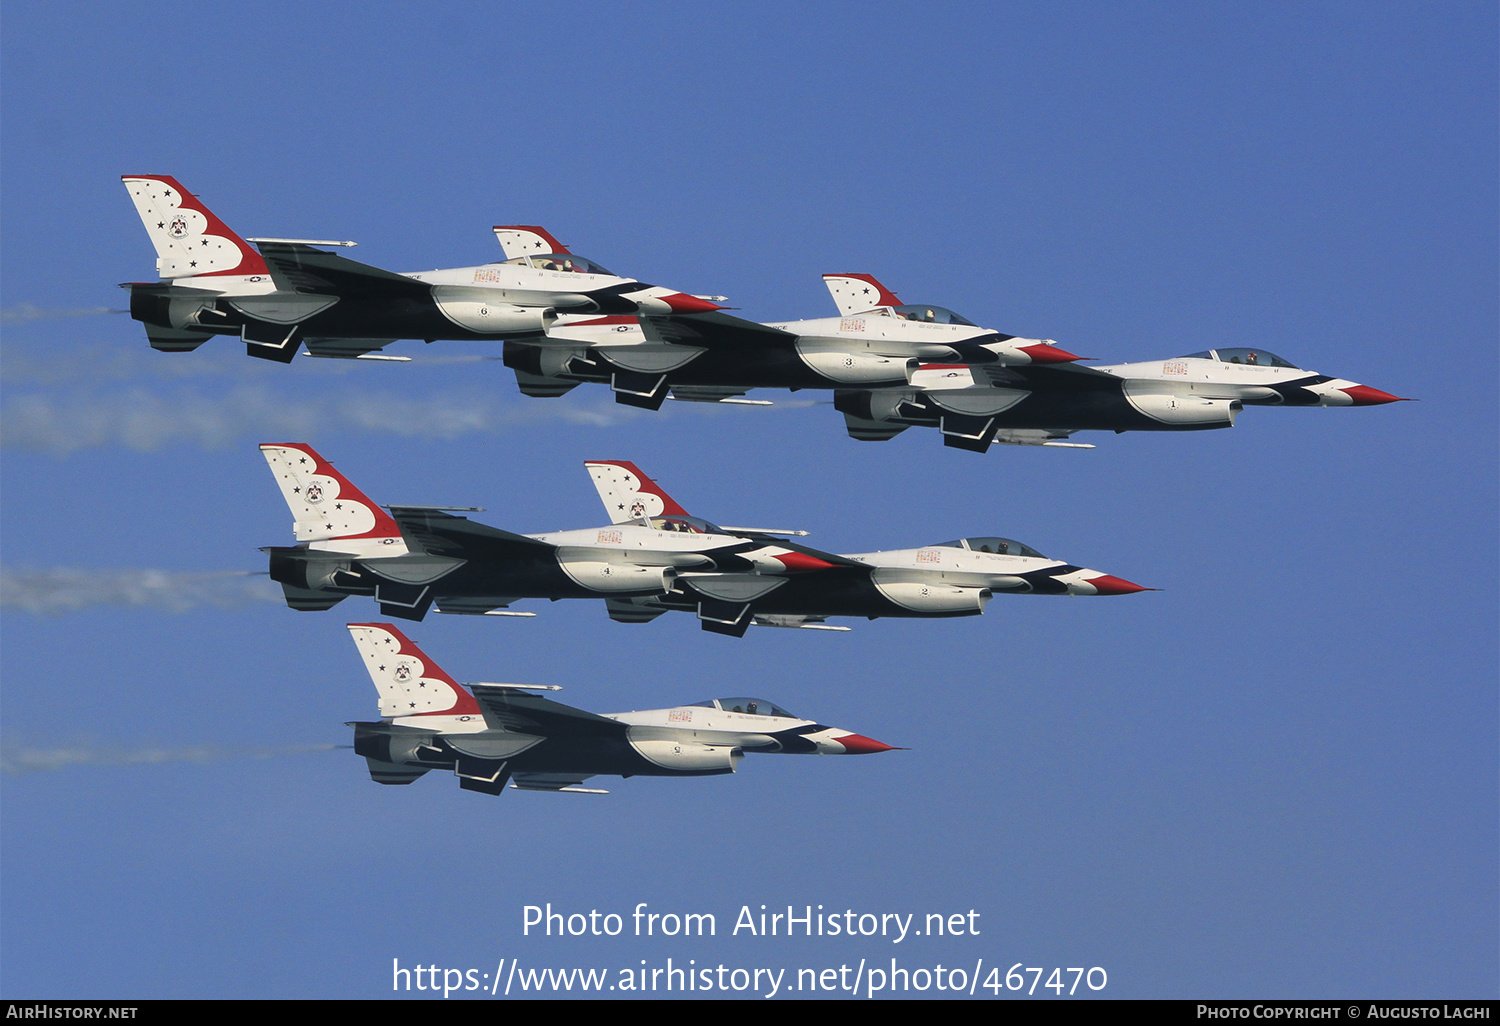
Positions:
(173, 340)
(306, 600)
(629, 611)
(538, 386)
(863, 430)
(393, 772)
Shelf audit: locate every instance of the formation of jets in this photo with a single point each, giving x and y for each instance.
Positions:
(654, 557)
(489, 735)
(565, 321)
(289, 293)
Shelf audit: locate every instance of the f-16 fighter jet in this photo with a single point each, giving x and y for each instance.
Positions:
(654, 557)
(876, 341)
(976, 406)
(502, 733)
(293, 293)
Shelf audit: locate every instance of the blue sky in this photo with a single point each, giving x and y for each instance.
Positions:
(1277, 776)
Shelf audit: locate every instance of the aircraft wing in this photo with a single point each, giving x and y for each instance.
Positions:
(443, 534)
(713, 330)
(806, 550)
(297, 267)
(1049, 377)
(525, 713)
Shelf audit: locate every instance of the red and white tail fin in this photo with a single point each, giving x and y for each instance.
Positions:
(526, 240)
(858, 293)
(190, 241)
(409, 683)
(325, 506)
(628, 494)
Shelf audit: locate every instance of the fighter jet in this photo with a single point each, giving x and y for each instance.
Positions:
(414, 556)
(977, 406)
(498, 733)
(654, 557)
(876, 341)
(293, 293)
(951, 578)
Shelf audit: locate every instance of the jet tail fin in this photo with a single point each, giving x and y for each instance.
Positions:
(858, 293)
(325, 506)
(408, 681)
(628, 494)
(190, 241)
(526, 240)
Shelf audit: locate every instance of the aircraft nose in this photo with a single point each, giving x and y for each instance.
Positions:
(1364, 395)
(681, 302)
(858, 744)
(1044, 353)
(1108, 584)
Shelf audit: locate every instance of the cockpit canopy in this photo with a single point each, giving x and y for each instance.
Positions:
(1252, 357)
(683, 524)
(749, 706)
(998, 546)
(929, 314)
(559, 262)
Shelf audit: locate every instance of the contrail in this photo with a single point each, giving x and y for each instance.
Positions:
(32, 312)
(69, 589)
(144, 421)
(17, 759)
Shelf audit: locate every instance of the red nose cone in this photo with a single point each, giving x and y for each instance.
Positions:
(681, 302)
(1108, 585)
(1364, 395)
(801, 561)
(1049, 354)
(858, 744)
